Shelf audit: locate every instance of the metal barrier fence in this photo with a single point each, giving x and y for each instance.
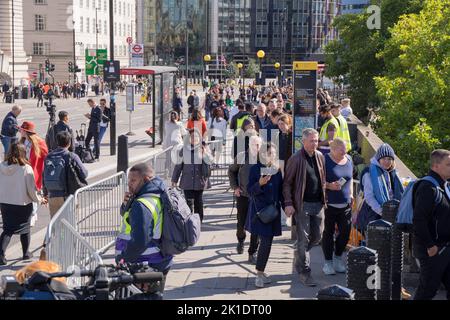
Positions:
(66, 247)
(222, 160)
(97, 211)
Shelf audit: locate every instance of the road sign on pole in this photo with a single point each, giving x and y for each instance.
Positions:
(137, 55)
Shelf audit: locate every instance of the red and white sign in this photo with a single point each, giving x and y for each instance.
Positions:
(137, 49)
(129, 40)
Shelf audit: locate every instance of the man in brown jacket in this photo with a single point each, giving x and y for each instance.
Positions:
(304, 196)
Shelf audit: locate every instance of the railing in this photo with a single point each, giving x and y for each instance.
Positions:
(222, 161)
(65, 246)
(97, 211)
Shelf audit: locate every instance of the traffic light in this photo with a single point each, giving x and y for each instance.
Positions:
(52, 67)
(77, 69)
(47, 65)
(70, 67)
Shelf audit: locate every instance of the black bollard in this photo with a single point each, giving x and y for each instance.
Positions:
(379, 235)
(390, 211)
(335, 292)
(122, 154)
(362, 275)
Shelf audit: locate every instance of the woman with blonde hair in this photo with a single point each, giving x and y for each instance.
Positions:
(17, 194)
(339, 185)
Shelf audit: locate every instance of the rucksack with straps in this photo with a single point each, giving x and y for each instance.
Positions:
(55, 173)
(406, 208)
(181, 227)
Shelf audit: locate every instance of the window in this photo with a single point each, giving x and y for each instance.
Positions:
(94, 26)
(39, 21)
(81, 3)
(120, 8)
(41, 49)
(40, 2)
(81, 24)
(88, 25)
(105, 27)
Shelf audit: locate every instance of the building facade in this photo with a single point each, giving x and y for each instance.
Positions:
(12, 37)
(289, 30)
(62, 30)
(354, 6)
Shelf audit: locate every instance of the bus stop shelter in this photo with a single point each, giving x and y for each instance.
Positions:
(163, 81)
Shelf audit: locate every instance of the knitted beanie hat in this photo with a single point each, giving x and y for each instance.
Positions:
(385, 150)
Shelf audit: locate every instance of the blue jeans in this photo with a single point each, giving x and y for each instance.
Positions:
(7, 141)
(102, 134)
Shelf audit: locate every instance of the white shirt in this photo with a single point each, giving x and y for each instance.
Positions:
(346, 112)
(219, 127)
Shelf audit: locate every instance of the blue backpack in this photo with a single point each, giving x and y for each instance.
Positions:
(406, 208)
(55, 173)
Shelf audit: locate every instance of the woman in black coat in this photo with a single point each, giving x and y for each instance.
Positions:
(264, 189)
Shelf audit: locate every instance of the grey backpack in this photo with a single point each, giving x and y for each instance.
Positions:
(181, 227)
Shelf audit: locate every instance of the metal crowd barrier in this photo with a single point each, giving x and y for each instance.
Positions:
(66, 247)
(222, 160)
(97, 211)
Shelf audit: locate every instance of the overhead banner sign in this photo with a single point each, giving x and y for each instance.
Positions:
(95, 60)
(305, 95)
(137, 55)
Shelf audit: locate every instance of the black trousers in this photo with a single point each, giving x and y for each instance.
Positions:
(194, 199)
(242, 209)
(265, 247)
(94, 134)
(5, 239)
(433, 272)
(342, 217)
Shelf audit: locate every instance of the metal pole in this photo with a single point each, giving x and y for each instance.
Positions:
(74, 62)
(13, 53)
(187, 50)
(113, 85)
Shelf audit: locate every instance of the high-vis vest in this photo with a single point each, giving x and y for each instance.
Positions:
(153, 203)
(323, 130)
(343, 132)
(240, 121)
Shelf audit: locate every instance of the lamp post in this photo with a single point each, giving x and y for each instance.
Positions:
(260, 54)
(207, 59)
(13, 37)
(241, 69)
(277, 66)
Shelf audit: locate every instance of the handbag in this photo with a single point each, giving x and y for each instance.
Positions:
(267, 214)
(74, 182)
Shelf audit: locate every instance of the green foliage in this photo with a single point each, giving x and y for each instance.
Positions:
(251, 69)
(356, 54)
(414, 90)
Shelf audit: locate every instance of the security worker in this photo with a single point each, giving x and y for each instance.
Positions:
(343, 132)
(143, 221)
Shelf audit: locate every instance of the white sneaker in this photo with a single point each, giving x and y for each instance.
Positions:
(328, 268)
(261, 280)
(339, 264)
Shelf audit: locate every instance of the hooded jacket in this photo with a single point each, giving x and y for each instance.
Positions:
(10, 125)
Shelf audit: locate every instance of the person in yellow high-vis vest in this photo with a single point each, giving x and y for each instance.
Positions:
(343, 132)
(142, 221)
(324, 137)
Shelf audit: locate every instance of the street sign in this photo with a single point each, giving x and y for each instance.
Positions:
(95, 59)
(129, 40)
(137, 55)
(111, 71)
(130, 97)
(305, 95)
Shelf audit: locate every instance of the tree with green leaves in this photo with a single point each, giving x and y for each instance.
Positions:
(414, 90)
(355, 54)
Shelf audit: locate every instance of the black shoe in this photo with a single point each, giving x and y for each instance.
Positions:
(27, 256)
(240, 247)
(252, 258)
(3, 261)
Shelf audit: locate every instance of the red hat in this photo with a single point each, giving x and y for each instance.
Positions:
(29, 127)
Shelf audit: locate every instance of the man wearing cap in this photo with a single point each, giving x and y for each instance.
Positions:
(10, 127)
